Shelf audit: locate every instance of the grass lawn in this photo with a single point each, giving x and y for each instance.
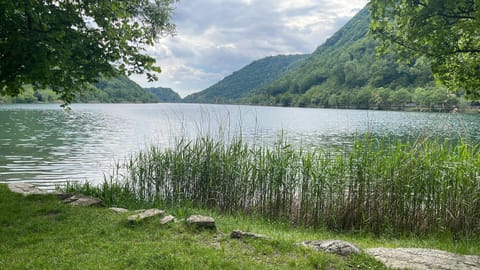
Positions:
(39, 232)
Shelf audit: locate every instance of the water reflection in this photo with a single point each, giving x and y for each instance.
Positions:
(46, 145)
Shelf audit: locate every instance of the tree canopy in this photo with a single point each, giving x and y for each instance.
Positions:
(65, 45)
(446, 32)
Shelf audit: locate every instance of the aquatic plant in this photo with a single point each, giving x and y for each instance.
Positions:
(378, 185)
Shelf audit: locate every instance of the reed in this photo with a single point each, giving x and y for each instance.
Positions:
(378, 185)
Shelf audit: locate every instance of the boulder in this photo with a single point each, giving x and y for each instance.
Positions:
(61, 195)
(82, 200)
(167, 219)
(338, 247)
(237, 234)
(140, 216)
(118, 210)
(25, 189)
(201, 222)
(424, 259)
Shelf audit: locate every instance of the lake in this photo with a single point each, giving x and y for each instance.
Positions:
(48, 146)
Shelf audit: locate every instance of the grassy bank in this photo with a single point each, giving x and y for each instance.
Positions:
(38, 232)
(379, 186)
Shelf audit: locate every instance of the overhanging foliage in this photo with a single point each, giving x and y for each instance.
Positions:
(67, 44)
(446, 32)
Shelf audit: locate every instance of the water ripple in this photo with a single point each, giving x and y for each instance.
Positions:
(47, 145)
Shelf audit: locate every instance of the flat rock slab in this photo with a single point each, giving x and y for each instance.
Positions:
(237, 234)
(167, 219)
(61, 195)
(118, 210)
(338, 247)
(201, 222)
(25, 189)
(145, 214)
(82, 200)
(424, 259)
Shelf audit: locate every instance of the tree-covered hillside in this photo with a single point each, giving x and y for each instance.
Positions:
(116, 90)
(111, 90)
(244, 82)
(345, 72)
(164, 94)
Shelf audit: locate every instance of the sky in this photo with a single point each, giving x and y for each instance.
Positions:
(214, 38)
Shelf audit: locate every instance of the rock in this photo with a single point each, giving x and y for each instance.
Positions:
(62, 195)
(82, 200)
(333, 246)
(201, 222)
(423, 259)
(118, 210)
(145, 214)
(25, 189)
(236, 234)
(167, 219)
(216, 245)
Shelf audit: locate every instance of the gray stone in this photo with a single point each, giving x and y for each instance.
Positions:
(333, 246)
(201, 222)
(424, 259)
(216, 245)
(25, 189)
(167, 219)
(61, 195)
(237, 234)
(118, 210)
(82, 200)
(145, 214)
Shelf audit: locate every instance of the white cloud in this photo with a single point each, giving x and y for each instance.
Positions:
(248, 2)
(217, 37)
(286, 5)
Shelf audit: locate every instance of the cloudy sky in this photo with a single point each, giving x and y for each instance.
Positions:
(217, 37)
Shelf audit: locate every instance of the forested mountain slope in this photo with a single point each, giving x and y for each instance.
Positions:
(346, 72)
(116, 90)
(112, 90)
(164, 94)
(245, 81)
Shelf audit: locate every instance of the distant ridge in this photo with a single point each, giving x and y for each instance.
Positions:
(123, 89)
(245, 81)
(107, 90)
(164, 94)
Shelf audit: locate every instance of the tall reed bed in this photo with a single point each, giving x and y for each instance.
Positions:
(378, 185)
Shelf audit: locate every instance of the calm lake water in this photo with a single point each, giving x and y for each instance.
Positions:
(47, 145)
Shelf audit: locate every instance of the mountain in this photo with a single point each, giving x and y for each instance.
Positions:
(244, 82)
(164, 94)
(344, 72)
(107, 90)
(117, 90)
(122, 89)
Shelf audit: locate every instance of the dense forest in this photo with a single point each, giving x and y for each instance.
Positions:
(246, 81)
(111, 90)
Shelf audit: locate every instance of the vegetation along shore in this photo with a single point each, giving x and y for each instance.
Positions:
(379, 185)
